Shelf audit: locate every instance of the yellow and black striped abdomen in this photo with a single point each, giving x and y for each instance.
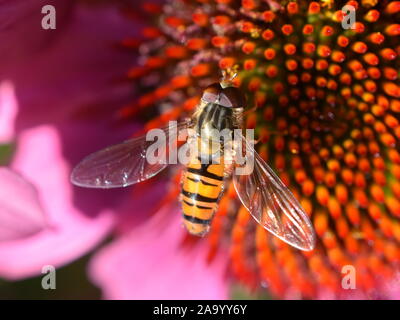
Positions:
(202, 187)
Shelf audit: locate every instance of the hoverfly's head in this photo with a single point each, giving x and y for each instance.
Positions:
(228, 97)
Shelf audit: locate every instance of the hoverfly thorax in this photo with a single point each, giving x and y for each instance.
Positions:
(220, 109)
(218, 114)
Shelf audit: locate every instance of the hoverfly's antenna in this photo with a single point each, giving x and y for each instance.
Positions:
(228, 75)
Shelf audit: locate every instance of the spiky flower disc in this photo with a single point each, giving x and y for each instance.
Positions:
(326, 109)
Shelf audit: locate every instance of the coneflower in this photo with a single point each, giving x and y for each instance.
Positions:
(325, 106)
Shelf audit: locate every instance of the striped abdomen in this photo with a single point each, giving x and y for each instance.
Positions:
(202, 187)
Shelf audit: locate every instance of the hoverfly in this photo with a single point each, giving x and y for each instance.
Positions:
(262, 193)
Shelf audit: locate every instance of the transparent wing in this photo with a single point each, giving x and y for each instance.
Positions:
(271, 203)
(124, 164)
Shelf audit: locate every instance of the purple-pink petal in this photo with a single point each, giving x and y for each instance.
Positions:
(66, 96)
(8, 111)
(150, 263)
(21, 214)
(21, 34)
(71, 234)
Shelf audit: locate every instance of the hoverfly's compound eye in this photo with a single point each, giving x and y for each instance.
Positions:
(232, 97)
(212, 93)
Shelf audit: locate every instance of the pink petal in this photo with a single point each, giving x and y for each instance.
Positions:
(66, 102)
(392, 288)
(39, 158)
(8, 111)
(150, 263)
(21, 214)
